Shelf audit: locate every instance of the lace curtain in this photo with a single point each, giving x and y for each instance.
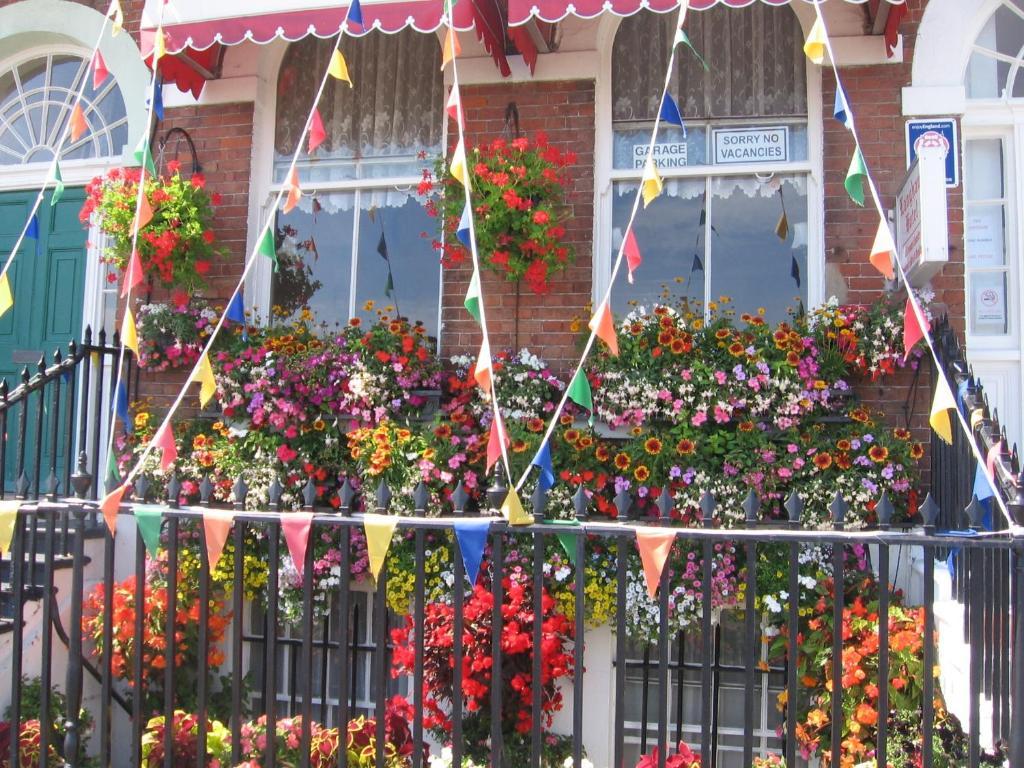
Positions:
(394, 111)
(755, 57)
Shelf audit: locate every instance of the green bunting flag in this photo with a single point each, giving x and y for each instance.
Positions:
(143, 157)
(579, 391)
(58, 185)
(268, 249)
(682, 37)
(567, 540)
(855, 178)
(112, 471)
(149, 520)
(389, 287)
(472, 302)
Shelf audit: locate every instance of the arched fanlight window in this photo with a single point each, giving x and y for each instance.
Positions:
(994, 69)
(36, 98)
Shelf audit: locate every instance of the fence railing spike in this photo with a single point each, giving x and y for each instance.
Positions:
(794, 507)
(665, 504)
(383, 497)
(239, 492)
(174, 491)
(420, 499)
(81, 481)
(751, 506)
(205, 490)
(929, 511)
(460, 499)
(140, 490)
(52, 485)
(623, 503)
(348, 495)
(884, 510)
(838, 508)
(539, 500)
(496, 495)
(274, 494)
(580, 503)
(976, 513)
(707, 506)
(309, 494)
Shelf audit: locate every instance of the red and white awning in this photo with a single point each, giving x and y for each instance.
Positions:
(195, 31)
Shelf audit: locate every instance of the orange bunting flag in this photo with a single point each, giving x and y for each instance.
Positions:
(632, 253)
(78, 124)
(117, 23)
(912, 330)
(494, 440)
(164, 440)
(317, 134)
(454, 108)
(451, 48)
(99, 70)
(129, 335)
(143, 215)
(338, 68)
(654, 546)
(883, 250)
(603, 327)
(482, 370)
(458, 166)
(216, 526)
(294, 191)
(296, 527)
(111, 504)
(133, 275)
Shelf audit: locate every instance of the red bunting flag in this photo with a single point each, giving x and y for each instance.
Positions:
(654, 546)
(133, 275)
(883, 250)
(494, 440)
(143, 215)
(296, 527)
(99, 70)
(294, 191)
(111, 504)
(317, 134)
(216, 525)
(632, 252)
(164, 440)
(912, 330)
(78, 123)
(603, 327)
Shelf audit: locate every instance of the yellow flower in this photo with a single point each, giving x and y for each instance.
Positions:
(141, 420)
(368, 306)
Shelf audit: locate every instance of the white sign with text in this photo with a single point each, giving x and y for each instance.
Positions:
(922, 234)
(672, 155)
(751, 145)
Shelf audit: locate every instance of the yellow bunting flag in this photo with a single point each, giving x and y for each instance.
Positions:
(159, 46)
(117, 23)
(378, 529)
(458, 166)
(143, 215)
(939, 418)
(294, 191)
(451, 48)
(977, 416)
(6, 297)
(339, 69)
(111, 504)
(655, 546)
(512, 510)
(482, 369)
(651, 183)
(603, 327)
(883, 250)
(782, 228)
(78, 124)
(8, 517)
(129, 335)
(216, 525)
(815, 45)
(206, 380)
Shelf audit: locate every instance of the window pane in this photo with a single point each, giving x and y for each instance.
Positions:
(670, 234)
(985, 236)
(988, 297)
(1009, 32)
(983, 170)
(749, 262)
(986, 77)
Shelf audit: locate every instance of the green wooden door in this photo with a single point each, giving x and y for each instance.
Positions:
(48, 287)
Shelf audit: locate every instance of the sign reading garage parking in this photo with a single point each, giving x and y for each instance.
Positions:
(751, 145)
(941, 132)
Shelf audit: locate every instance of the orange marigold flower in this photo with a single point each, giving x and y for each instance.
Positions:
(878, 453)
(641, 473)
(823, 460)
(535, 425)
(916, 451)
(685, 447)
(602, 453)
(653, 446)
(622, 461)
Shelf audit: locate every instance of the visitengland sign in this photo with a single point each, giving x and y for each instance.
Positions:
(935, 133)
(751, 145)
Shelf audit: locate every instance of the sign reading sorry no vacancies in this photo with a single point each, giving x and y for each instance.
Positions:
(751, 145)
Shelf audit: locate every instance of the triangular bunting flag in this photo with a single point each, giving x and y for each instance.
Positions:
(339, 68)
(236, 309)
(567, 540)
(454, 108)
(115, 12)
(982, 485)
(631, 250)
(164, 440)
(472, 536)
(513, 512)
(129, 335)
(655, 546)
(451, 48)
(294, 191)
(939, 414)
(133, 275)
(207, 382)
(58, 184)
(841, 110)
(113, 475)
(143, 215)
(144, 156)
(814, 47)
(389, 286)
(121, 402)
(159, 46)
(855, 177)
(883, 251)
(683, 39)
(579, 390)
(494, 439)
(697, 265)
(110, 506)
(603, 327)
(149, 519)
(268, 248)
(669, 111)
(650, 184)
(6, 297)
(8, 519)
(482, 369)
(99, 70)
(464, 227)
(158, 100)
(296, 527)
(355, 14)
(317, 134)
(912, 330)
(78, 125)
(216, 527)
(782, 228)
(382, 247)
(458, 165)
(33, 231)
(794, 270)
(472, 300)
(378, 529)
(542, 460)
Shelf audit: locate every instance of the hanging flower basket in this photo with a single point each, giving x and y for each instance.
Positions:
(172, 335)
